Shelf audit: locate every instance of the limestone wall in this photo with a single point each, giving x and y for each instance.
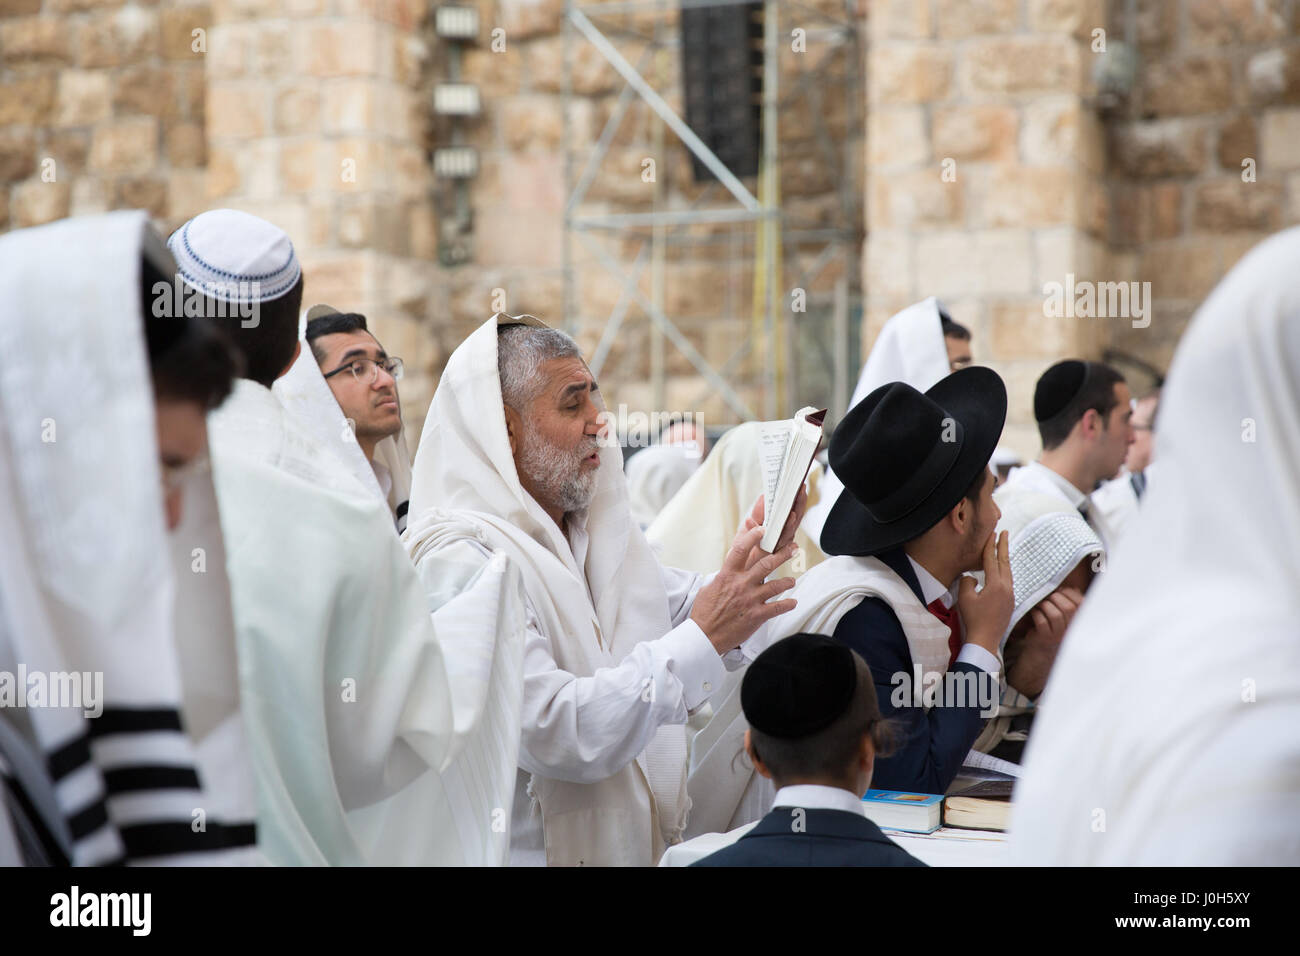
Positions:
(988, 164)
(1219, 86)
(102, 106)
(984, 170)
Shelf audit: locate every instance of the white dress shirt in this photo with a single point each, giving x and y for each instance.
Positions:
(585, 729)
(812, 796)
(933, 590)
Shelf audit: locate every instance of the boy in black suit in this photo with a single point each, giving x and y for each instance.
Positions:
(814, 728)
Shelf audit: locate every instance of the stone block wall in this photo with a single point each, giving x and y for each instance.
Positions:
(990, 165)
(102, 106)
(1205, 159)
(984, 175)
(1170, 185)
(317, 120)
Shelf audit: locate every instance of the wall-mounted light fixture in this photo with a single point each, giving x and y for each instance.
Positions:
(456, 23)
(454, 162)
(456, 99)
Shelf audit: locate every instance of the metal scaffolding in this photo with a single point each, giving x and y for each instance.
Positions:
(776, 346)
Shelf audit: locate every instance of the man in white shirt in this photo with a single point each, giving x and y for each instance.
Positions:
(814, 729)
(1085, 421)
(619, 649)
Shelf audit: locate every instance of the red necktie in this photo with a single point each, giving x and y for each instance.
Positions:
(949, 616)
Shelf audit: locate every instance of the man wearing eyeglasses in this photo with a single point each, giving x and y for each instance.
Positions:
(1120, 498)
(363, 378)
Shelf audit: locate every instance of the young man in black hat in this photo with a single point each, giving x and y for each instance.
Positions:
(815, 730)
(917, 513)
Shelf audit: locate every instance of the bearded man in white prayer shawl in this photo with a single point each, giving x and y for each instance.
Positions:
(1177, 692)
(148, 764)
(379, 735)
(620, 650)
(919, 346)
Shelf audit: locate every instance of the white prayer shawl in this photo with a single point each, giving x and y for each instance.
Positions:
(696, 528)
(304, 392)
(654, 475)
(1046, 540)
(592, 616)
(721, 773)
(87, 580)
(910, 348)
(378, 735)
(1178, 691)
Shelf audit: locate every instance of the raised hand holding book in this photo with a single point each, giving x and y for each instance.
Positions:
(785, 453)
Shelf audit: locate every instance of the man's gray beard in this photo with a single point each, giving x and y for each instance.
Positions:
(558, 472)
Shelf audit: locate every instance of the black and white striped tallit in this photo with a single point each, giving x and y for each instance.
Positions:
(86, 575)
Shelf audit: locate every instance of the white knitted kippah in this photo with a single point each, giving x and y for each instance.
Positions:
(235, 257)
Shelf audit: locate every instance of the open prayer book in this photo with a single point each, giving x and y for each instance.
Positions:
(785, 453)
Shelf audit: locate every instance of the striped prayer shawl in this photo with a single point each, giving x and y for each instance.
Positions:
(86, 584)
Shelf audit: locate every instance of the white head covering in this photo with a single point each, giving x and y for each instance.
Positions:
(1043, 554)
(1046, 541)
(910, 348)
(1177, 691)
(233, 256)
(304, 392)
(593, 616)
(86, 580)
(695, 529)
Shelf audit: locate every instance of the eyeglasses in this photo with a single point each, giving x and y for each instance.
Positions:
(366, 370)
(175, 477)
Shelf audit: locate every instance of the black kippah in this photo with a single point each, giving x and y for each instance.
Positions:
(798, 686)
(1058, 386)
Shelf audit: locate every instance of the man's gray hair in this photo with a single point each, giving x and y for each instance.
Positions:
(521, 352)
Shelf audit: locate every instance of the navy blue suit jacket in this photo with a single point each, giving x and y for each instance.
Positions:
(930, 746)
(827, 838)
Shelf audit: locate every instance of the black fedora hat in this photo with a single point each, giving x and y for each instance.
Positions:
(907, 458)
